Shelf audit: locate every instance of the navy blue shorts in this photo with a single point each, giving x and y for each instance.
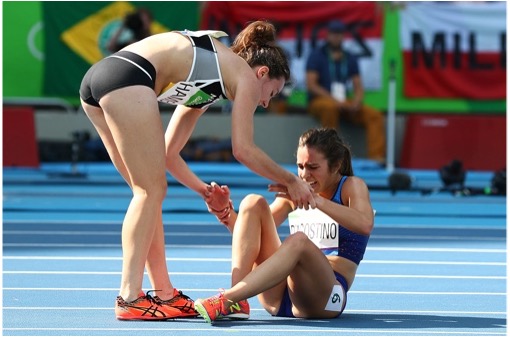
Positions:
(286, 305)
(118, 70)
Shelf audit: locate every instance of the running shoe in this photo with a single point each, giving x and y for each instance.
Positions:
(213, 308)
(180, 301)
(145, 307)
(239, 310)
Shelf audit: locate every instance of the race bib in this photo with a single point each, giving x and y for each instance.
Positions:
(186, 93)
(320, 228)
(336, 299)
(338, 91)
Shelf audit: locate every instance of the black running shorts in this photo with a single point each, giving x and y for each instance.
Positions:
(118, 70)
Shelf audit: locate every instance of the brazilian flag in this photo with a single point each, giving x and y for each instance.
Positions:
(76, 34)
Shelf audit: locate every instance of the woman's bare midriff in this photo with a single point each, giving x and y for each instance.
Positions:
(171, 55)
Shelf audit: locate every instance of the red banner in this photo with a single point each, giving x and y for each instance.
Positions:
(454, 50)
(301, 25)
(293, 18)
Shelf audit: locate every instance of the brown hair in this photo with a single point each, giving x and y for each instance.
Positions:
(256, 44)
(328, 142)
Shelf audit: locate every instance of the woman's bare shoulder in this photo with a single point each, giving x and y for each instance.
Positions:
(157, 43)
(354, 180)
(235, 71)
(355, 183)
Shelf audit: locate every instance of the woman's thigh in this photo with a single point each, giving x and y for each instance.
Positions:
(97, 118)
(311, 284)
(132, 115)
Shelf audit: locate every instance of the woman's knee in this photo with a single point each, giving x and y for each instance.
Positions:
(155, 191)
(254, 203)
(297, 241)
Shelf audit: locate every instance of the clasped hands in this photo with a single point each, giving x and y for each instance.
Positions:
(218, 202)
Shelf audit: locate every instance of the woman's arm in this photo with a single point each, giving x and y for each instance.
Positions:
(280, 209)
(179, 131)
(246, 152)
(356, 214)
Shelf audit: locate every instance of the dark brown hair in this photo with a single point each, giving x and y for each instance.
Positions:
(328, 142)
(256, 44)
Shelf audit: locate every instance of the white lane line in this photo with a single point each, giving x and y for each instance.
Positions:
(113, 233)
(57, 245)
(212, 290)
(393, 276)
(225, 234)
(350, 311)
(94, 223)
(229, 330)
(436, 249)
(376, 262)
(201, 246)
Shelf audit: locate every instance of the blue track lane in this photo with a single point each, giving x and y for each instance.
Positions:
(436, 264)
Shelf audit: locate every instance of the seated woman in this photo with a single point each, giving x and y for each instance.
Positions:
(309, 274)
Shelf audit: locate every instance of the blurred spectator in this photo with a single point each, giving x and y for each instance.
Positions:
(135, 26)
(329, 71)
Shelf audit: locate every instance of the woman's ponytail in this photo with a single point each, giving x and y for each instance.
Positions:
(257, 45)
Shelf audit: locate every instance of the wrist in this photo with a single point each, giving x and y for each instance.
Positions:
(204, 190)
(291, 179)
(224, 218)
(228, 208)
(222, 213)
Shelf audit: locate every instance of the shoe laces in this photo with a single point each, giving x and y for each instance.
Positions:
(217, 301)
(173, 302)
(147, 296)
(214, 300)
(180, 295)
(152, 299)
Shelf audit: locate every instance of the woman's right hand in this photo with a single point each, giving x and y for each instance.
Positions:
(299, 192)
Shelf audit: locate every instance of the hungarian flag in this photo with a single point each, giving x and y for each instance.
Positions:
(454, 50)
(301, 26)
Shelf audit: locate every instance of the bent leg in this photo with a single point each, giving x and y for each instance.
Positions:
(311, 281)
(254, 240)
(254, 236)
(299, 262)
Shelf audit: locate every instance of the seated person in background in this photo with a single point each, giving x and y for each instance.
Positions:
(310, 273)
(329, 69)
(137, 25)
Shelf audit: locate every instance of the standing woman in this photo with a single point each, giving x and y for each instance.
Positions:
(192, 70)
(309, 274)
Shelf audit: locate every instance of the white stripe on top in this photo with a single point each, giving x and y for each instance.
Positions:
(134, 63)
